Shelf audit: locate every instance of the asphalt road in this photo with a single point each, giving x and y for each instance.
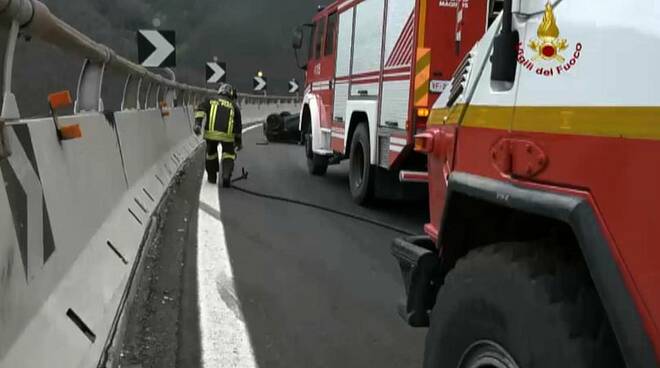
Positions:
(316, 289)
(249, 282)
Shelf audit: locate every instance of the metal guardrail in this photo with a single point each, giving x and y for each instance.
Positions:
(143, 88)
(245, 98)
(35, 19)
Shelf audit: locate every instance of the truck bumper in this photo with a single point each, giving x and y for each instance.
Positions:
(420, 268)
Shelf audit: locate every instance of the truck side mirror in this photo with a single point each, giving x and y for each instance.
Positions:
(297, 38)
(505, 49)
(296, 43)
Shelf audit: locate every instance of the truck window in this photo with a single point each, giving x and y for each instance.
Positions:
(344, 40)
(330, 34)
(368, 36)
(318, 39)
(310, 48)
(494, 9)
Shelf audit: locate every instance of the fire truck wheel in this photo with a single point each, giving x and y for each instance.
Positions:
(361, 173)
(316, 164)
(517, 305)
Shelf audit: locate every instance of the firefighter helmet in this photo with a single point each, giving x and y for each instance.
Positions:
(227, 90)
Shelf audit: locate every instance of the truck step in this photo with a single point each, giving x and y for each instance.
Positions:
(420, 264)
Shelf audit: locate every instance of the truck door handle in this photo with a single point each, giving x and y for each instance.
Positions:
(391, 123)
(363, 92)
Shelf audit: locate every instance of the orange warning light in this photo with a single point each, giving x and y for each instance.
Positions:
(70, 132)
(423, 112)
(424, 143)
(60, 99)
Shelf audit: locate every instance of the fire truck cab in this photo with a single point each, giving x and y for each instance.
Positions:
(543, 244)
(373, 70)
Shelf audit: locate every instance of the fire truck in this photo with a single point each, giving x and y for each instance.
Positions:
(373, 69)
(543, 244)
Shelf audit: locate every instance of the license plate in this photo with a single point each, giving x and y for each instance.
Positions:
(437, 86)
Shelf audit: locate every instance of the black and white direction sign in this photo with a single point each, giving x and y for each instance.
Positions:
(156, 49)
(216, 72)
(293, 86)
(260, 83)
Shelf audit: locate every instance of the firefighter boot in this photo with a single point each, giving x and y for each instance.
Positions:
(212, 177)
(212, 164)
(227, 170)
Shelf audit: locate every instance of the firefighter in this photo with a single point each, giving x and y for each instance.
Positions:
(221, 121)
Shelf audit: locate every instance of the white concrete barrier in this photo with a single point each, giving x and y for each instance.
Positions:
(70, 189)
(177, 125)
(140, 153)
(76, 214)
(73, 219)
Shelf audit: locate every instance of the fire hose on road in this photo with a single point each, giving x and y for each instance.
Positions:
(244, 176)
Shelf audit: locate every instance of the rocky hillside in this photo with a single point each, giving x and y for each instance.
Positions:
(248, 34)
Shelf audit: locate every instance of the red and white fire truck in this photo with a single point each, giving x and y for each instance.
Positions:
(543, 247)
(374, 69)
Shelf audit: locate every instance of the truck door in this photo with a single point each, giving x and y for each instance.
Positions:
(549, 59)
(343, 59)
(471, 116)
(321, 68)
(395, 84)
(485, 109)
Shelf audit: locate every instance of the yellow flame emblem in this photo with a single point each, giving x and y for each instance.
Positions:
(548, 45)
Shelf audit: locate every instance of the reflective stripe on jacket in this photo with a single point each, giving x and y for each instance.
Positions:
(220, 119)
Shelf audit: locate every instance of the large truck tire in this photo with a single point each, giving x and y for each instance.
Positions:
(519, 305)
(316, 164)
(361, 174)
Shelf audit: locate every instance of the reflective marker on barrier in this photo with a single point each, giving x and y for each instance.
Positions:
(59, 100)
(56, 101)
(70, 132)
(164, 110)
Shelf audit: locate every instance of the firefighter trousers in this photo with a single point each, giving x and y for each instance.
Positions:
(212, 157)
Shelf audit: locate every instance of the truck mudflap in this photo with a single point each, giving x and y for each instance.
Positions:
(420, 267)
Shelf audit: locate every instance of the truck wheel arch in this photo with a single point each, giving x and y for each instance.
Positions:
(305, 125)
(505, 212)
(311, 114)
(357, 117)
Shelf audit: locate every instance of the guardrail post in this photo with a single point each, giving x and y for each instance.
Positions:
(170, 96)
(153, 96)
(147, 92)
(131, 96)
(183, 97)
(90, 83)
(9, 106)
(177, 97)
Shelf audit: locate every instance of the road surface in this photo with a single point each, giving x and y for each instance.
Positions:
(281, 285)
